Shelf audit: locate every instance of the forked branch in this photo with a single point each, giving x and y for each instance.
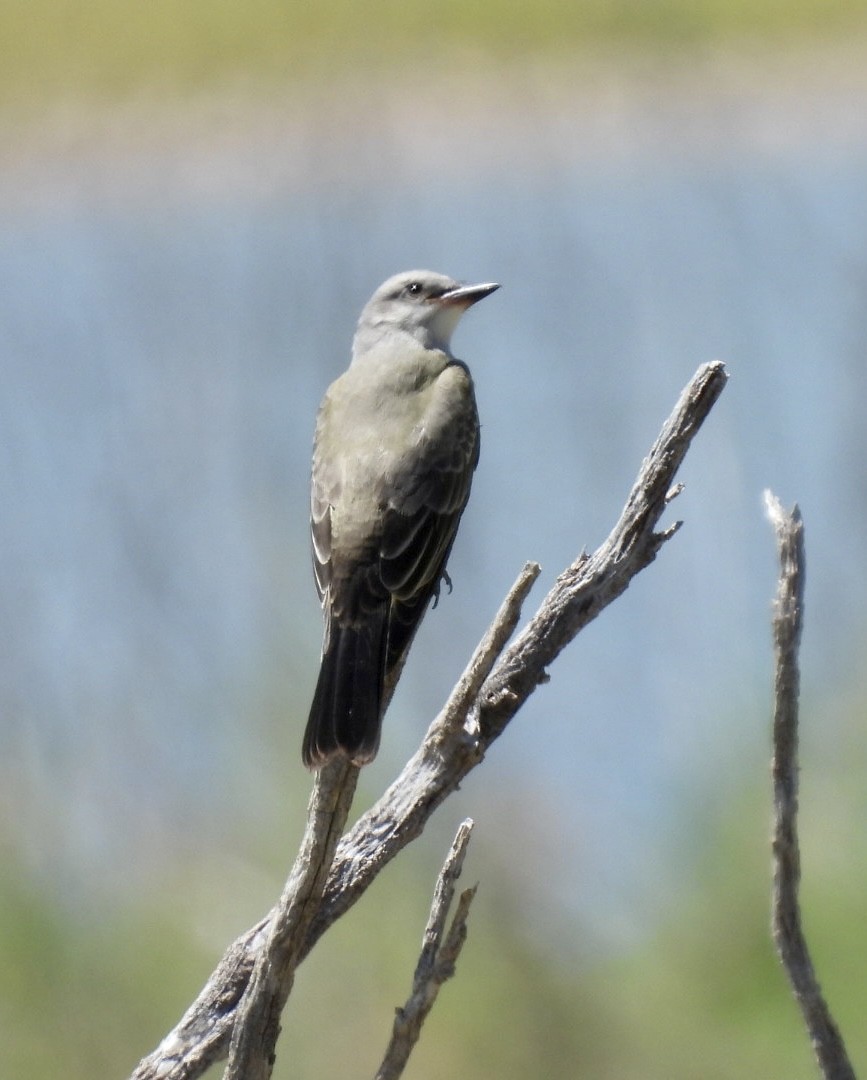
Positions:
(493, 688)
(436, 964)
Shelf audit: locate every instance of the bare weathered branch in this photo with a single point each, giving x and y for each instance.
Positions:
(255, 1033)
(268, 951)
(456, 710)
(202, 1036)
(786, 915)
(436, 964)
(488, 696)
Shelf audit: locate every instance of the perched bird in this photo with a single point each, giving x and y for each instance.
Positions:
(396, 444)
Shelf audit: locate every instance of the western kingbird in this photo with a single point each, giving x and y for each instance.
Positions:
(397, 440)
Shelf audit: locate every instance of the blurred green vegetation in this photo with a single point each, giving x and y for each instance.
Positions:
(704, 996)
(98, 49)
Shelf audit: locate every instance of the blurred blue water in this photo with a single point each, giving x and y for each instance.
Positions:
(163, 354)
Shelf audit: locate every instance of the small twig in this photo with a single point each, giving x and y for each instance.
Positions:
(436, 964)
(789, 938)
(455, 711)
(257, 1027)
(459, 737)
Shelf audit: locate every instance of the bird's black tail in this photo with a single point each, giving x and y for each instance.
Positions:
(346, 714)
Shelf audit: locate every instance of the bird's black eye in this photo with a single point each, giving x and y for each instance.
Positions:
(413, 289)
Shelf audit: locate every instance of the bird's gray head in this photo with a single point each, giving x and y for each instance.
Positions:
(419, 303)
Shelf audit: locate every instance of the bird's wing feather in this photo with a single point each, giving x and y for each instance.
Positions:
(425, 506)
(322, 498)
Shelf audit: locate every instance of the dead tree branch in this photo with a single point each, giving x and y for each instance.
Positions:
(789, 937)
(257, 1027)
(487, 697)
(436, 964)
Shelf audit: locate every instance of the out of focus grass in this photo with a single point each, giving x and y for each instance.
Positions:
(105, 49)
(703, 996)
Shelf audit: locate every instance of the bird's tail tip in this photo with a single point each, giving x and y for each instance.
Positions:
(346, 713)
